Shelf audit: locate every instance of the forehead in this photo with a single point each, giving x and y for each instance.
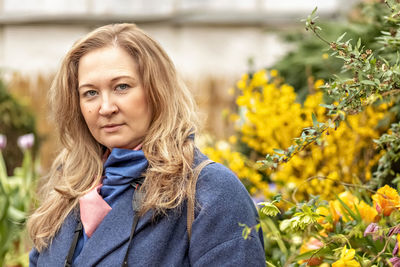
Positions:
(105, 63)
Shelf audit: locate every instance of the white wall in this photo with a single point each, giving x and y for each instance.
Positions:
(209, 40)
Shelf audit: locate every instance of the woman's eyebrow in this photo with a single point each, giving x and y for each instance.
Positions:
(123, 76)
(85, 85)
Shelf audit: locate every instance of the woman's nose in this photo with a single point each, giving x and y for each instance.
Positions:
(108, 107)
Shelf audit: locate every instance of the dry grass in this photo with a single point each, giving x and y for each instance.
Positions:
(32, 93)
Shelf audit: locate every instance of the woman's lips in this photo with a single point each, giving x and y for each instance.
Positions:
(111, 128)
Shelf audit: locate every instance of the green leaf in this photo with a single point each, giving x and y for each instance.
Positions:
(314, 11)
(270, 264)
(368, 82)
(314, 119)
(279, 151)
(277, 198)
(349, 211)
(340, 37)
(246, 230)
(16, 215)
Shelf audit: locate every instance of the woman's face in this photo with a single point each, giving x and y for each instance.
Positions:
(112, 99)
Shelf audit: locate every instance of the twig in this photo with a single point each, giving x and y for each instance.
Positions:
(380, 252)
(327, 178)
(319, 36)
(391, 92)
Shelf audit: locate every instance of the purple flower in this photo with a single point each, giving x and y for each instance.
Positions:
(395, 261)
(26, 141)
(3, 141)
(394, 230)
(396, 249)
(373, 230)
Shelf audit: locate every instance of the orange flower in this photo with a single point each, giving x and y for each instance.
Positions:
(386, 200)
(367, 213)
(311, 244)
(336, 208)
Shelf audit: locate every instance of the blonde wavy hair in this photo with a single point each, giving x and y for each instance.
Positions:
(79, 166)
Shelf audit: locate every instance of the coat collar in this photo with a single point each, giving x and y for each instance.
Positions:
(112, 234)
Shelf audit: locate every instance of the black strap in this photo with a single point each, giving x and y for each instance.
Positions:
(78, 232)
(136, 204)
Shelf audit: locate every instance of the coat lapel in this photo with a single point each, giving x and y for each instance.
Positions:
(112, 233)
(56, 253)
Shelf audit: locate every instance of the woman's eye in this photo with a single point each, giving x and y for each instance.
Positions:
(90, 93)
(121, 87)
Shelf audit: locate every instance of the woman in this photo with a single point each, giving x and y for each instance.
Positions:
(120, 190)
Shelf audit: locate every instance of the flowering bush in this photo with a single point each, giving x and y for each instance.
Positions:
(349, 211)
(15, 202)
(268, 116)
(346, 231)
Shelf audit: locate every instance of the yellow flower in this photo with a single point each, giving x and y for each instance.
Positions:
(348, 198)
(386, 200)
(259, 78)
(368, 213)
(323, 212)
(269, 116)
(334, 207)
(232, 139)
(318, 84)
(325, 56)
(346, 259)
(274, 73)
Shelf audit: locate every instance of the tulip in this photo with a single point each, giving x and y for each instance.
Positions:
(26, 141)
(3, 141)
(395, 261)
(372, 229)
(395, 249)
(394, 230)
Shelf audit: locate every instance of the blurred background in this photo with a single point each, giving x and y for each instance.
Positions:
(212, 42)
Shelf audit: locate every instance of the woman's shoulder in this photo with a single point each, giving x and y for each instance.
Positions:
(223, 205)
(218, 183)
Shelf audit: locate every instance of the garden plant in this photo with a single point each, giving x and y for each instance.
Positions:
(327, 167)
(16, 194)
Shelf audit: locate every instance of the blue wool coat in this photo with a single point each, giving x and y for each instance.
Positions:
(216, 235)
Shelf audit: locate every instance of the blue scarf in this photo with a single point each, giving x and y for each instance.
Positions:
(122, 167)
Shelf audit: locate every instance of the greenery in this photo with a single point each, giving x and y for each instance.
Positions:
(15, 203)
(15, 120)
(334, 158)
(373, 78)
